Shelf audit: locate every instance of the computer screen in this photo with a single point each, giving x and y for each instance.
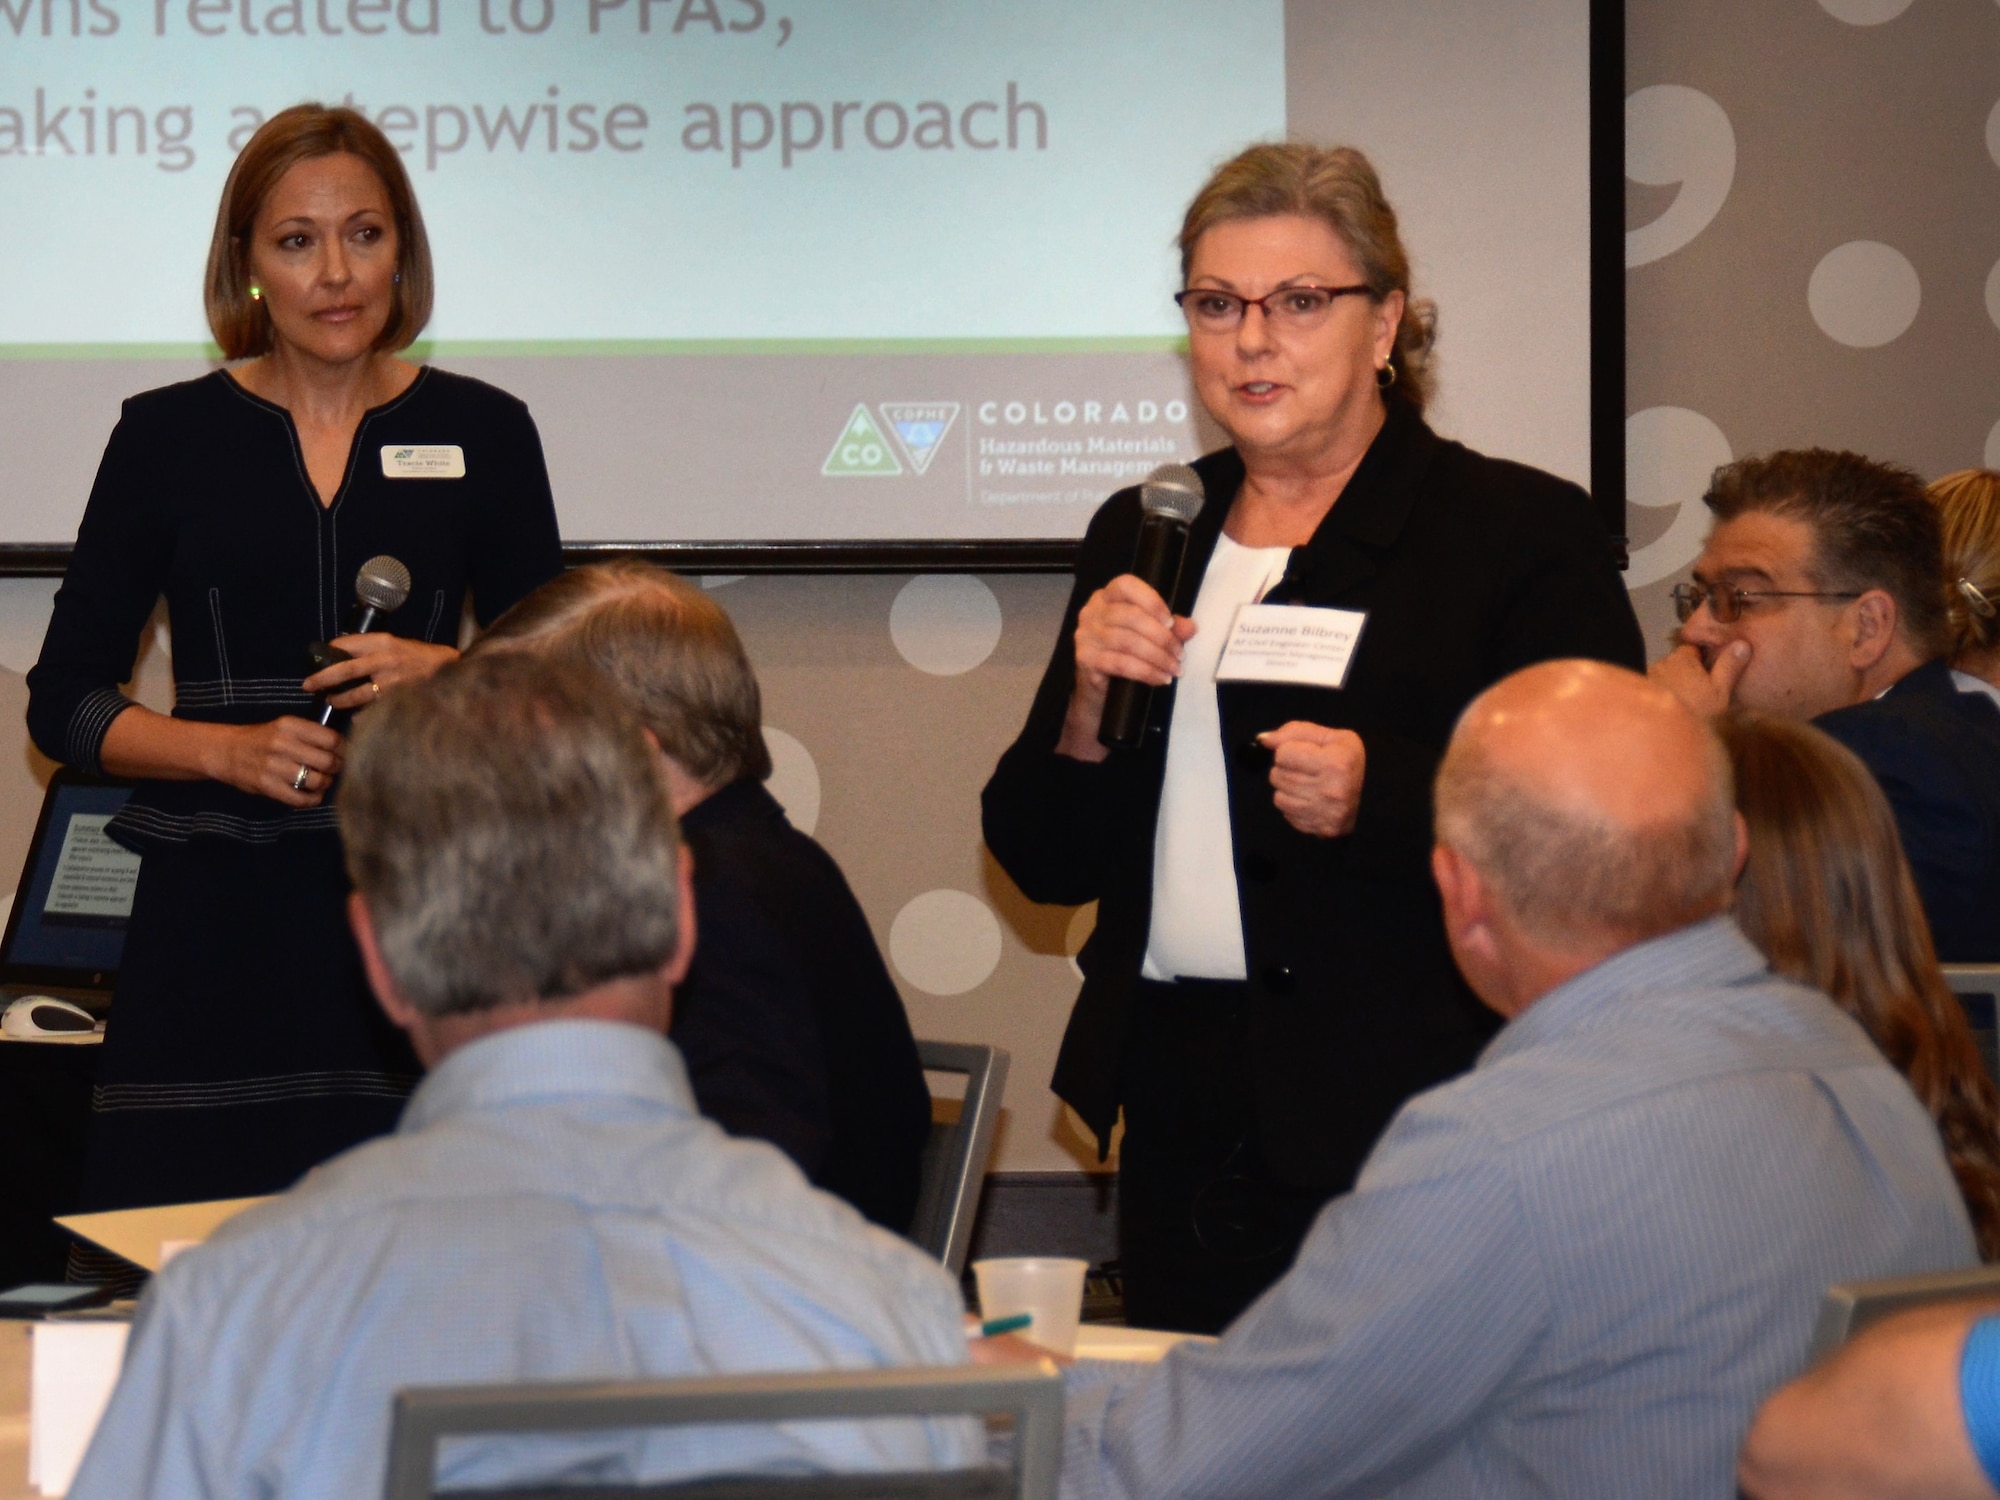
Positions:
(67, 925)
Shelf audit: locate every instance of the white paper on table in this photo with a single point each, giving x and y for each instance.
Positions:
(1134, 1345)
(75, 1366)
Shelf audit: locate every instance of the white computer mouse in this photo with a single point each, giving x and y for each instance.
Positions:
(34, 1016)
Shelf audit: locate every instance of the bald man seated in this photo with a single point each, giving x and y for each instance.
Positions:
(1575, 1270)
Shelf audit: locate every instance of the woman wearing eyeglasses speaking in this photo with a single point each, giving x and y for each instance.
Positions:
(1269, 979)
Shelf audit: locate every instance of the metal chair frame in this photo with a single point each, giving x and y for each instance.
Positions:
(956, 1157)
(1851, 1306)
(1030, 1393)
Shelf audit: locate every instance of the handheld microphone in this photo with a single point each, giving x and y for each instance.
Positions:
(1170, 498)
(379, 589)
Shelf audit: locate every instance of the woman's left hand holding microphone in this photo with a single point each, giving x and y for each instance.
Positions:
(379, 661)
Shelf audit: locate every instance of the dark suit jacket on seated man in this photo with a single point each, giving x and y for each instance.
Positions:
(789, 1022)
(1820, 595)
(1575, 1270)
(551, 1207)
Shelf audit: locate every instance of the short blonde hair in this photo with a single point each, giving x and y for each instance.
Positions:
(1336, 185)
(666, 646)
(241, 324)
(1968, 503)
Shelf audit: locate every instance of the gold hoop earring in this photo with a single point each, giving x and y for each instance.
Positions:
(1385, 377)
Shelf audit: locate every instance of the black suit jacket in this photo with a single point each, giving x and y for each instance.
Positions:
(1936, 753)
(791, 1027)
(1468, 568)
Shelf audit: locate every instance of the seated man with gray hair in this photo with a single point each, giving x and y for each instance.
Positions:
(1575, 1270)
(551, 1207)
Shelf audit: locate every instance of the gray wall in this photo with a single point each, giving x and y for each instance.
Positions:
(1812, 245)
(1774, 143)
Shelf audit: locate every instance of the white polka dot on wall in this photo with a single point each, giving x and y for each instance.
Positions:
(945, 942)
(1864, 294)
(1993, 447)
(1675, 134)
(1864, 12)
(719, 580)
(1993, 134)
(1669, 454)
(794, 779)
(1993, 294)
(945, 623)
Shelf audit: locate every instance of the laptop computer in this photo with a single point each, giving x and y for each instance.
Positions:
(66, 929)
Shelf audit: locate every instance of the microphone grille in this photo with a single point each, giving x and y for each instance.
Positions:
(382, 584)
(1173, 490)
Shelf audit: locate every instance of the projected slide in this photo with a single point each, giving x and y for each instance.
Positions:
(764, 269)
(618, 170)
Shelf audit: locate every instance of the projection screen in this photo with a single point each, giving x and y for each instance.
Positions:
(798, 282)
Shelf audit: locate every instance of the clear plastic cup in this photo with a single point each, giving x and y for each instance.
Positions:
(1049, 1290)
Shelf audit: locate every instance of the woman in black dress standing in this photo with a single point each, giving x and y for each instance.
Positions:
(243, 1046)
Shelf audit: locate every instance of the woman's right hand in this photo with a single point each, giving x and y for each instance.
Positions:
(264, 759)
(1124, 630)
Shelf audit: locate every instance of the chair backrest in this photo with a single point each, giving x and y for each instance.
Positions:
(955, 1156)
(1978, 989)
(1852, 1306)
(1029, 1393)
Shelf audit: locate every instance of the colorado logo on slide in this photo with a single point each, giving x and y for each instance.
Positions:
(861, 449)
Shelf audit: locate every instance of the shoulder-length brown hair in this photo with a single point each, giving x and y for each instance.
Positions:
(1336, 185)
(1828, 896)
(241, 324)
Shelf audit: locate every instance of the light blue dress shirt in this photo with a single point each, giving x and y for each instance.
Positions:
(1573, 1271)
(551, 1208)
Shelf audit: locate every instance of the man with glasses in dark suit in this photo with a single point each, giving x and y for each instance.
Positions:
(1820, 595)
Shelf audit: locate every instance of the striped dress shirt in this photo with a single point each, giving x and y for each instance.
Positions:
(1574, 1271)
(551, 1208)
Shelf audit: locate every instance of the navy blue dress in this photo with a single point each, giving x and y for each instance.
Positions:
(243, 1045)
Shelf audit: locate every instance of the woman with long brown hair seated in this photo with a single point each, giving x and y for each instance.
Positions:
(1828, 896)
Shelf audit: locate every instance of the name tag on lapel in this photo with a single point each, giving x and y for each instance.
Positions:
(1290, 643)
(423, 461)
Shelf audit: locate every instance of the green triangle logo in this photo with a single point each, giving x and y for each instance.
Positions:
(861, 448)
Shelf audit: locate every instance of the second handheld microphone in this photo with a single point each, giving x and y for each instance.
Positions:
(379, 589)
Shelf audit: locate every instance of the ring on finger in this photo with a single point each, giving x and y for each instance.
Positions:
(299, 781)
(375, 685)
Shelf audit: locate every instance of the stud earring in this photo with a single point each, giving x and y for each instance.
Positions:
(399, 278)
(256, 293)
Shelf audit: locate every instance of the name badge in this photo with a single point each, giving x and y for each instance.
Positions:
(425, 461)
(1290, 643)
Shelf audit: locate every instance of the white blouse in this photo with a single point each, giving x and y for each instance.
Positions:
(1197, 930)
